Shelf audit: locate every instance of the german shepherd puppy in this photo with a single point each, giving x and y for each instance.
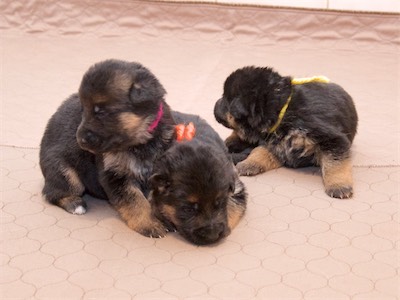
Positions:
(196, 188)
(287, 123)
(103, 141)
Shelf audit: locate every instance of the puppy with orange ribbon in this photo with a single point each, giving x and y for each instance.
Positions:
(195, 187)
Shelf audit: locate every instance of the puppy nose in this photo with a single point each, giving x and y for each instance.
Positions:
(89, 138)
(211, 233)
(220, 110)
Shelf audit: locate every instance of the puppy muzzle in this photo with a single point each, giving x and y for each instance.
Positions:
(220, 111)
(209, 234)
(88, 140)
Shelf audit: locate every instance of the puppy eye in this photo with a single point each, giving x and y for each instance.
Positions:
(98, 110)
(191, 209)
(219, 202)
(231, 188)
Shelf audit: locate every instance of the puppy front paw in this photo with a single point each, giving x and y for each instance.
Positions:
(152, 228)
(340, 192)
(249, 168)
(140, 218)
(337, 176)
(169, 227)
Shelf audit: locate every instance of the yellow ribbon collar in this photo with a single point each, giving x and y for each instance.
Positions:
(296, 81)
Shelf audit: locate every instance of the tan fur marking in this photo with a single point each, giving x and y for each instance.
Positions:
(169, 212)
(301, 141)
(336, 173)
(309, 146)
(235, 213)
(119, 162)
(136, 127)
(66, 201)
(137, 214)
(122, 81)
(261, 157)
(193, 199)
(231, 120)
(73, 180)
(130, 121)
(99, 98)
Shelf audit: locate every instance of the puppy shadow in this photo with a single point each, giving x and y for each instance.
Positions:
(99, 209)
(314, 171)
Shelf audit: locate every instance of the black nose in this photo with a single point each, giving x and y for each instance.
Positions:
(89, 138)
(210, 233)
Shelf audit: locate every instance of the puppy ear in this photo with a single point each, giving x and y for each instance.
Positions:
(237, 109)
(255, 117)
(146, 87)
(159, 183)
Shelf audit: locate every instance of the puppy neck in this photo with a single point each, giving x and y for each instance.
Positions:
(295, 81)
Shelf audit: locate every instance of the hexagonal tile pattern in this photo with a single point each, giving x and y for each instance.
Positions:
(294, 241)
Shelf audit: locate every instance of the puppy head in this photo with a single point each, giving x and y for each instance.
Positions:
(191, 186)
(251, 101)
(119, 100)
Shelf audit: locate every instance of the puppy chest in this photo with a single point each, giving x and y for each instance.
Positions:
(126, 164)
(295, 149)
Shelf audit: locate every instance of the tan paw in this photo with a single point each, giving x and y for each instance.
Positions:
(248, 168)
(340, 192)
(152, 228)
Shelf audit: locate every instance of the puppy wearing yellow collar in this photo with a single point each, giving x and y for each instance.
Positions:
(290, 122)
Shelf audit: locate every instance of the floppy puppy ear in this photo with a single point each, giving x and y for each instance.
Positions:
(237, 109)
(255, 119)
(146, 87)
(160, 183)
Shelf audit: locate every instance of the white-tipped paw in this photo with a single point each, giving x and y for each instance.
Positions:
(79, 210)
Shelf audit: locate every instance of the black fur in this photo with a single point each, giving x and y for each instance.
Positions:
(198, 179)
(108, 157)
(320, 121)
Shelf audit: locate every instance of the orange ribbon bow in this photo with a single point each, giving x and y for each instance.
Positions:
(185, 132)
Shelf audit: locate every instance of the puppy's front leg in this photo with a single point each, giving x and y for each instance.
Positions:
(236, 145)
(337, 176)
(238, 148)
(259, 161)
(133, 206)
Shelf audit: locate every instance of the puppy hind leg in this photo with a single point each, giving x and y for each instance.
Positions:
(259, 161)
(65, 190)
(73, 204)
(337, 176)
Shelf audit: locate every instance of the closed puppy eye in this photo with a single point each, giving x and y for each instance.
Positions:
(191, 208)
(218, 203)
(231, 188)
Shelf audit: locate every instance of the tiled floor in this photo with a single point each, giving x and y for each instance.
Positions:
(294, 242)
